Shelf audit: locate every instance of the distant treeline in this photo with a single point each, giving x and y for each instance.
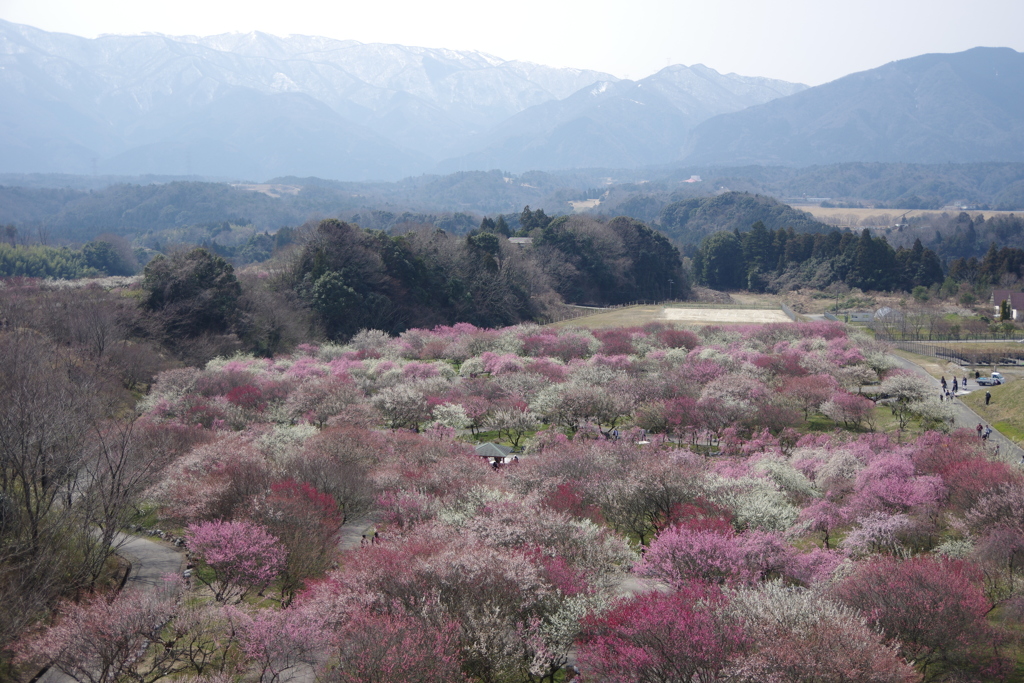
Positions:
(95, 259)
(342, 278)
(774, 260)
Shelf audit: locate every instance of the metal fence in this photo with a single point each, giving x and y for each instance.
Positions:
(987, 334)
(964, 355)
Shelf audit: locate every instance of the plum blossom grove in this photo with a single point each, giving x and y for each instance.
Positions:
(733, 473)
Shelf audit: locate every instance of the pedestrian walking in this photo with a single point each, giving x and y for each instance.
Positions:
(955, 386)
(988, 397)
(988, 433)
(964, 385)
(978, 429)
(943, 382)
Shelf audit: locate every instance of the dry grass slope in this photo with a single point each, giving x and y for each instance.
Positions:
(1006, 412)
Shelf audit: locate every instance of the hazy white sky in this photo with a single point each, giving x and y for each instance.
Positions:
(811, 41)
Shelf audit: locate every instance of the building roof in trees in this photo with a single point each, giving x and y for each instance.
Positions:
(1016, 299)
(493, 450)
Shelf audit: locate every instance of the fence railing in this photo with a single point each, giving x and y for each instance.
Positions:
(890, 335)
(963, 355)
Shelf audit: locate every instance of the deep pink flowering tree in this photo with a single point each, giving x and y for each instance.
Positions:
(934, 609)
(658, 638)
(242, 556)
(376, 647)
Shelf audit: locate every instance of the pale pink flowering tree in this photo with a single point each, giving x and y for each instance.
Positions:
(682, 556)
(242, 556)
(823, 516)
(277, 641)
(853, 410)
(809, 392)
(797, 636)
(101, 640)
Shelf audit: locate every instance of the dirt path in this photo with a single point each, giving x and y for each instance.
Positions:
(966, 417)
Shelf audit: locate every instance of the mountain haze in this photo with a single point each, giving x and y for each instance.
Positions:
(620, 124)
(252, 106)
(935, 108)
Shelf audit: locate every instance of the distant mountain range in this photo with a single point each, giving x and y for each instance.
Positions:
(256, 106)
(253, 106)
(935, 108)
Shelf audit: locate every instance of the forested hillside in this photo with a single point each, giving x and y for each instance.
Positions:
(691, 220)
(775, 260)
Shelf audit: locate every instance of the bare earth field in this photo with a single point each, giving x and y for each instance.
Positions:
(714, 316)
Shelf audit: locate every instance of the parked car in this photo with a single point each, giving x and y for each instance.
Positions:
(995, 379)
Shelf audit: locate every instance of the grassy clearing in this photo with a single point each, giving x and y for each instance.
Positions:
(1005, 413)
(933, 366)
(632, 316)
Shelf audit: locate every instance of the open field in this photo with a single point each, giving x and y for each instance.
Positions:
(877, 218)
(631, 316)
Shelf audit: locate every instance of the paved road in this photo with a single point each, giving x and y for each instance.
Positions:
(965, 416)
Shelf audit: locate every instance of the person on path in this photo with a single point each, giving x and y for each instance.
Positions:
(988, 433)
(978, 429)
(943, 382)
(988, 397)
(956, 386)
(964, 385)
